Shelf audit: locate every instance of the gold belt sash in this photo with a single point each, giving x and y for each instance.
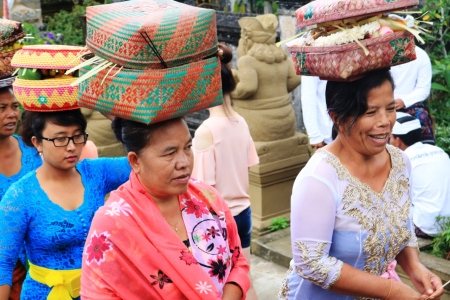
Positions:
(65, 284)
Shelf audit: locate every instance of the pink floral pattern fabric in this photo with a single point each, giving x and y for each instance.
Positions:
(132, 253)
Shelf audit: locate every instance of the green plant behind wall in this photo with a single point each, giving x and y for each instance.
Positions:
(437, 46)
(441, 242)
(279, 223)
(70, 23)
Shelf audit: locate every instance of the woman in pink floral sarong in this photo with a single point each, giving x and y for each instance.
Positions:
(162, 235)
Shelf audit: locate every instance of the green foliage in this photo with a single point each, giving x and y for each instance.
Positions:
(70, 23)
(259, 6)
(33, 37)
(437, 46)
(441, 242)
(279, 223)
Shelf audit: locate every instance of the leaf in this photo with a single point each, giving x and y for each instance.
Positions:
(426, 17)
(438, 16)
(439, 87)
(210, 247)
(447, 76)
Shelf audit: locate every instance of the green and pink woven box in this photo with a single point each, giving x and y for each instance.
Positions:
(164, 56)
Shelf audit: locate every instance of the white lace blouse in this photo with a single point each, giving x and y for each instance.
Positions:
(337, 219)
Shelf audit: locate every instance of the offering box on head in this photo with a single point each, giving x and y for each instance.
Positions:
(330, 51)
(41, 83)
(10, 33)
(151, 60)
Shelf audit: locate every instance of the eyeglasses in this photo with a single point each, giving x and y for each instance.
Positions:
(63, 141)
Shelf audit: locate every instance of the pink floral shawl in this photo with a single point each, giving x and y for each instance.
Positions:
(132, 253)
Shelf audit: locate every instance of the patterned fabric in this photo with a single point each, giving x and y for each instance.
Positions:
(54, 237)
(420, 111)
(30, 161)
(130, 230)
(337, 219)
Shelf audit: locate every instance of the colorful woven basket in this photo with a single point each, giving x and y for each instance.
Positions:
(48, 57)
(46, 95)
(149, 96)
(348, 62)
(51, 94)
(10, 31)
(141, 34)
(320, 11)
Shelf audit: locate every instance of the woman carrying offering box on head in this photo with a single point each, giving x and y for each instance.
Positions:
(161, 235)
(350, 204)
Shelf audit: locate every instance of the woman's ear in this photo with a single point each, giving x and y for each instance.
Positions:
(133, 160)
(36, 144)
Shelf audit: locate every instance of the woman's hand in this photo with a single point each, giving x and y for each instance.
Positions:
(401, 291)
(232, 291)
(426, 282)
(423, 279)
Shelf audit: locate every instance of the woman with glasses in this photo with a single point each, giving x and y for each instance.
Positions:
(50, 209)
(16, 160)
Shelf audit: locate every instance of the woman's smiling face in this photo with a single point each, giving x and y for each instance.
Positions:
(370, 133)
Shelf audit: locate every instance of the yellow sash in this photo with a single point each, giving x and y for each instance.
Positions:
(65, 284)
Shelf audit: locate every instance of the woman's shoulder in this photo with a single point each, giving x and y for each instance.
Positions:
(23, 188)
(92, 164)
(399, 159)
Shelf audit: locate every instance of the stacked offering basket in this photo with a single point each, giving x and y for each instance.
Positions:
(154, 60)
(349, 61)
(50, 89)
(10, 33)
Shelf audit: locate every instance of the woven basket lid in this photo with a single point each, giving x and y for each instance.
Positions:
(320, 11)
(48, 57)
(126, 33)
(10, 31)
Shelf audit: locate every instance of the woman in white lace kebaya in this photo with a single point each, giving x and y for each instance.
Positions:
(350, 220)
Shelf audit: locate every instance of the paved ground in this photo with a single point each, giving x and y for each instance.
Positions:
(267, 277)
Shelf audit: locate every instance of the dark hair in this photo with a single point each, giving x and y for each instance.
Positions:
(348, 99)
(6, 89)
(226, 55)
(135, 136)
(411, 137)
(33, 123)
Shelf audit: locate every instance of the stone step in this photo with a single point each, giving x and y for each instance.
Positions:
(274, 247)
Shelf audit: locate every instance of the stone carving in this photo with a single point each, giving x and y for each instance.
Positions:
(26, 11)
(265, 77)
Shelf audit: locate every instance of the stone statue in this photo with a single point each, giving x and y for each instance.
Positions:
(265, 77)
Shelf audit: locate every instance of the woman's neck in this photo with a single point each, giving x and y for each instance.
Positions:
(224, 110)
(49, 172)
(7, 143)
